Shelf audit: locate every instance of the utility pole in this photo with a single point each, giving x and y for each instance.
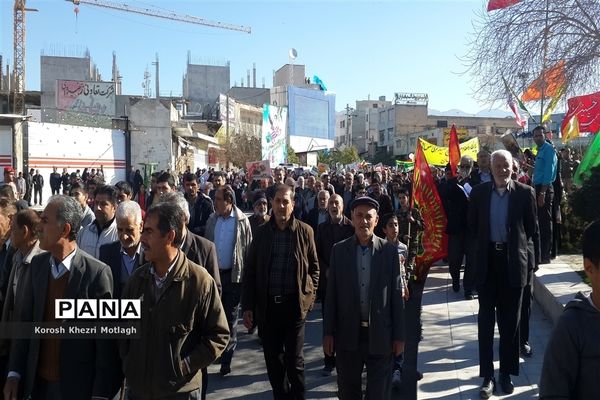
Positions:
(227, 144)
(349, 111)
(156, 78)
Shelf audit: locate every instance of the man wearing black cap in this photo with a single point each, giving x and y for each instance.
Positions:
(260, 215)
(364, 275)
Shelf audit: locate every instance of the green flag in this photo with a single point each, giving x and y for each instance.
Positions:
(590, 160)
(519, 102)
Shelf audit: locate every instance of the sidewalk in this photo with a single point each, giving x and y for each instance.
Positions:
(448, 354)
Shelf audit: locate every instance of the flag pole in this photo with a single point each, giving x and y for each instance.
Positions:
(544, 61)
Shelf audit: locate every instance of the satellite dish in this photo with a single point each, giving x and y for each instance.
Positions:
(293, 53)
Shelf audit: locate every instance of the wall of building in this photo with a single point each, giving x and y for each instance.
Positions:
(283, 75)
(151, 138)
(340, 128)
(54, 68)
(410, 118)
(202, 85)
(75, 148)
(249, 95)
(311, 119)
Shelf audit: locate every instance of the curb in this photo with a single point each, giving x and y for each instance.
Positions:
(554, 285)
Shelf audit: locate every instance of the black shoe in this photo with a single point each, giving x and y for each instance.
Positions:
(469, 296)
(545, 261)
(487, 388)
(455, 286)
(506, 383)
(419, 376)
(225, 369)
(526, 350)
(327, 370)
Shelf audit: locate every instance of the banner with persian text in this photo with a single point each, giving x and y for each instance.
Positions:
(437, 155)
(97, 98)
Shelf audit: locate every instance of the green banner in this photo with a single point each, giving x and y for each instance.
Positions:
(590, 160)
(405, 164)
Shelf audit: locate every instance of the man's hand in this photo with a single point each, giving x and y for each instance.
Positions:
(397, 347)
(328, 345)
(11, 388)
(541, 199)
(248, 319)
(406, 292)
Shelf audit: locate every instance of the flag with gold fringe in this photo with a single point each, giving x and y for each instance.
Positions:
(433, 241)
(587, 110)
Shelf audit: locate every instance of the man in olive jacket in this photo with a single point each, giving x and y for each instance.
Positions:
(281, 277)
(184, 328)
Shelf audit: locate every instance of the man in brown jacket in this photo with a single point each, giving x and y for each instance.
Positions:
(184, 328)
(281, 277)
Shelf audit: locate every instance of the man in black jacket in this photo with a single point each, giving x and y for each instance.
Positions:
(200, 206)
(38, 187)
(502, 215)
(336, 228)
(460, 243)
(55, 181)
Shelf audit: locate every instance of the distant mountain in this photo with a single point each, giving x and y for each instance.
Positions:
(495, 113)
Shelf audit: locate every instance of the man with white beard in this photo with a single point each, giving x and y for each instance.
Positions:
(260, 212)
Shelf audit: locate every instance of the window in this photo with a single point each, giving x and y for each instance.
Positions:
(342, 124)
(381, 136)
(375, 105)
(442, 124)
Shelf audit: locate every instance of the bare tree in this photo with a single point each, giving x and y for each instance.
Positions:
(519, 42)
(241, 148)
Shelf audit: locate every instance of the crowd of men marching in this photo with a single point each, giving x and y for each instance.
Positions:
(186, 247)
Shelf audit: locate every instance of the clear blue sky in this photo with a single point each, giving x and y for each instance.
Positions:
(358, 48)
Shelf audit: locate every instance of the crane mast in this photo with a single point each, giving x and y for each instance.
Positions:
(162, 14)
(19, 57)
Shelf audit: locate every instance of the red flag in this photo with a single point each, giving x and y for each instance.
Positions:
(587, 110)
(498, 4)
(453, 150)
(434, 241)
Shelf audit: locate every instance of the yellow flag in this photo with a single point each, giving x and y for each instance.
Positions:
(552, 105)
(437, 155)
(571, 130)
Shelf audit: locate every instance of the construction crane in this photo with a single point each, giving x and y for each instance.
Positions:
(19, 35)
(19, 56)
(162, 14)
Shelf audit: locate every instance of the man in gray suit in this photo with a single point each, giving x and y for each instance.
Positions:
(364, 274)
(53, 368)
